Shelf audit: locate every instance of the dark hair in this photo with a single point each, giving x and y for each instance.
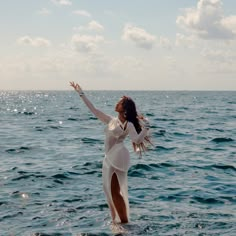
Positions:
(132, 116)
(130, 112)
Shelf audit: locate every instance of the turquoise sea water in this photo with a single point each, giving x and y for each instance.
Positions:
(51, 152)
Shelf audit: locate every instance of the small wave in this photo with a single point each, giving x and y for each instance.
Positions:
(3, 203)
(174, 197)
(38, 128)
(93, 165)
(29, 113)
(221, 140)
(139, 170)
(135, 173)
(182, 134)
(93, 118)
(36, 218)
(159, 133)
(74, 108)
(182, 108)
(91, 141)
(72, 119)
(14, 168)
(54, 127)
(77, 199)
(29, 163)
(208, 200)
(141, 167)
(25, 148)
(223, 167)
(160, 165)
(153, 126)
(56, 181)
(92, 172)
(73, 173)
(166, 119)
(22, 172)
(150, 114)
(69, 139)
(51, 234)
(26, 175)
(18, 150)
(22, 177)
(229, 199)
(214, 149)
(61, 176)
(164, 148)
(12, 215)
(213, 129)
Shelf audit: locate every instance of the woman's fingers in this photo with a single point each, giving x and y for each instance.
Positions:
(75, 86)
(72, 84)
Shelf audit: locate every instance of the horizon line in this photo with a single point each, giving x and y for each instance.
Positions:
(114, 90)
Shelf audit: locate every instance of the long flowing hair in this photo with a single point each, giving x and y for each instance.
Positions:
(131, 115)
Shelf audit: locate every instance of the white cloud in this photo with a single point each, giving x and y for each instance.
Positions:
(219, 56)
(82, 13)
(127, 63)
(215, 55)
(185, 41)
(44, 11)
(92, 26)
(35, 42)
(62, 2)
(86, 43)
(206, 19)
(230, 23)
(165, 42)
(139, 36)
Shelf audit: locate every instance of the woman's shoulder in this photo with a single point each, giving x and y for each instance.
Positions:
(130, 124)
(112, 120)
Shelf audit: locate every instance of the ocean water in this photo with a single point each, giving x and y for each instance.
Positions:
(51, 152)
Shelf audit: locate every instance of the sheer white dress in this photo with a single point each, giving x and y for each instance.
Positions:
(117, 158)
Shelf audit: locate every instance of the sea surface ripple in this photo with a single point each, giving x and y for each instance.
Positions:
(51, 152)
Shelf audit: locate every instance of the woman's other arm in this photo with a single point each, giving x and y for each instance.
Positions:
(134, 136)
(99, 114)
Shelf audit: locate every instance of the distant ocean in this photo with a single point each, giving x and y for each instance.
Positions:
(51, 152)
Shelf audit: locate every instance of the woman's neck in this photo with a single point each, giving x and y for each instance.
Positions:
(121, 118)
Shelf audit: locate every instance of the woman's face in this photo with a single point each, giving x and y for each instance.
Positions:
(119, 106)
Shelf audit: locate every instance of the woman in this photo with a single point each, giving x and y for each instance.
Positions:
(117, 159)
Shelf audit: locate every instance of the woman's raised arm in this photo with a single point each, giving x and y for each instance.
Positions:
(99, 114)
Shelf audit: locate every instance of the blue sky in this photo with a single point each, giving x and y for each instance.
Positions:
(140, 45)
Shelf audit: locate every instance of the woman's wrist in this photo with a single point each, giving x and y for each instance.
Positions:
(81, 93)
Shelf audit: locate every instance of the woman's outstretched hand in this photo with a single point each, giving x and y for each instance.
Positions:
(76, 87)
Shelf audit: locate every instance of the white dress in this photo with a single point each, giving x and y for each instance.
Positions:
(117, 158)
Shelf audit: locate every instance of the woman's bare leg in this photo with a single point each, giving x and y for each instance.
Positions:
(112, 209)
(113, 212)
(118, 199)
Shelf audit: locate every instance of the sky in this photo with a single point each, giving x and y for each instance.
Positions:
(118, 45)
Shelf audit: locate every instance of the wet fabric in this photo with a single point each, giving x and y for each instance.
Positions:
(117, 157)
